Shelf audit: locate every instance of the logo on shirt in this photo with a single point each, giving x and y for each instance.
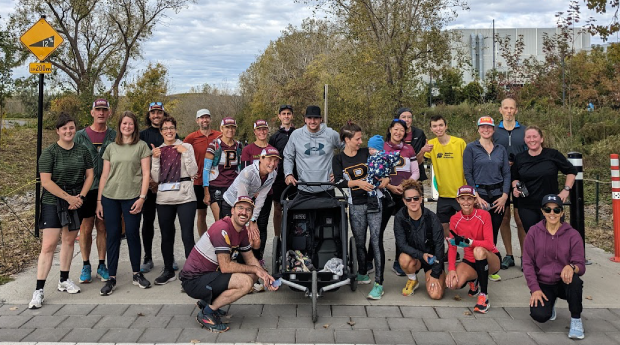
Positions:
(445, 155)
(439, 155)
(310, 149)
(226, 238)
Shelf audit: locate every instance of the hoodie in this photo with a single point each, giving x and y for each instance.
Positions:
(545, 255)
(311, 154)
(189, 168)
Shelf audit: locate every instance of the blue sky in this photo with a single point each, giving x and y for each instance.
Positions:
(214, 41)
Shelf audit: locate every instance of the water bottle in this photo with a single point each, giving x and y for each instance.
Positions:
(276, 283)
(431, 260)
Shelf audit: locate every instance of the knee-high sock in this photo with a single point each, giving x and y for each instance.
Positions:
(482, 268)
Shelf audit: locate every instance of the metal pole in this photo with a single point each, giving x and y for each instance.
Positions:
(615, 196)
(576, 198)
(493, 45)
(325, 106)
(39, 141)
(597, 196)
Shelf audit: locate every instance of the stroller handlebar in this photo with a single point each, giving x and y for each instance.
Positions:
(314, 184)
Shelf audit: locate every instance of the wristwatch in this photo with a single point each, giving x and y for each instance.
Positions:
(143, 196)
(253, 220)
(572, 266)
(81, 197)
(567, 188)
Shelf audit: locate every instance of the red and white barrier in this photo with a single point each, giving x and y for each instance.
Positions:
(615, 196)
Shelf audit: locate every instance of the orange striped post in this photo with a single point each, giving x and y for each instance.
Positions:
(615, 196)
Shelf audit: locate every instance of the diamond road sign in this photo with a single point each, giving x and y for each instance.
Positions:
(41, 39)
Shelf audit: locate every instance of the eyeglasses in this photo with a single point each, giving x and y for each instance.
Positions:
(413, 198)
(556, 210)
(243, 209)
(164, 129)
(155, 103)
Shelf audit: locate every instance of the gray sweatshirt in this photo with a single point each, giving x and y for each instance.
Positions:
(311, 154)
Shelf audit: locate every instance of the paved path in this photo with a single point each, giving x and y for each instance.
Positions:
(163, 314)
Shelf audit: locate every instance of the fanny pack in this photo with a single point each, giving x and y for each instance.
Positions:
(172, 186)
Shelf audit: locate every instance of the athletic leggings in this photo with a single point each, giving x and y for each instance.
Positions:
(263, 222)
(149, 211)
(529, 217)
(496, 218)
(386, 214)
(166, 214)
(112, 210)
(360, 222)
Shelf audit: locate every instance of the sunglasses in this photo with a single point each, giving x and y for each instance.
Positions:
(155, 103)
(286, 106)
(556, 210)
(413, 198)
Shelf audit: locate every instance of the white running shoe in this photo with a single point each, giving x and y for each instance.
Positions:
(69, 286)
(37, 299)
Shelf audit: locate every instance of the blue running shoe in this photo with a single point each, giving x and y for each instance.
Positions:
(576, 329)
(396, 268)
(102, 272)
(86, 276)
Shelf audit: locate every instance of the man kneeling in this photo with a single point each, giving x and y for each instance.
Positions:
(210, 273)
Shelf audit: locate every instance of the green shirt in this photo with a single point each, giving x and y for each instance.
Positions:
(68, 167)
(125, 178)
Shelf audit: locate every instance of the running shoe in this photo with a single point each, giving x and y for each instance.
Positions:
(69, 286)
(258, 287)
(175, 266)
(508, 261)
(141, 281)
(363, 279)
(202, 304)
(211, 321)
(396, 268)
(108, 288)
(376, 292)
(474, 290)
(102, 273)
(576, 329)
(410, 287)
(483, 304)
(37, 299)
(85, 276)
(147, 265)
(165, 277)
(494, 277)
(553, 315)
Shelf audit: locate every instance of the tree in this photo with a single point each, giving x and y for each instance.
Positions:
(601, 6)
(10, 58)
(102, 36)
(151, 85)
(449, 84)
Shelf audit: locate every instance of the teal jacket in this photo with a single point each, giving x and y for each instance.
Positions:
(82, 138)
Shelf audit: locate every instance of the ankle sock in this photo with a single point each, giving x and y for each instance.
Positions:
(412, 276)
(40, 284)
(86, 263)
(64, 275)
(482, 268)
(102, 263)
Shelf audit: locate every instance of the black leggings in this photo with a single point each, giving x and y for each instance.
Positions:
(529, 217)
(166, 215)
(149, 211)
(263, 222)
(496, 218)
(572, 293)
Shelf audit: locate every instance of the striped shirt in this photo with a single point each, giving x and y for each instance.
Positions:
(68, 167)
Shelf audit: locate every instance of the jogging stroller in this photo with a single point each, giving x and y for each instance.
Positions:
(314, 254)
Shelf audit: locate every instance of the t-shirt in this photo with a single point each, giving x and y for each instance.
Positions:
(405, 165)
(68, 167)
(200, 142)
(352, 168)
(251, 153)
(97, 138)
(448, 165)
(417, 139)
(478, 227)
(125, 178)
(221, 238)
(540, 174)
(228, 165)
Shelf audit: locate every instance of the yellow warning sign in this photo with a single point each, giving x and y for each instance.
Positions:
(40, 67)
(41, 39)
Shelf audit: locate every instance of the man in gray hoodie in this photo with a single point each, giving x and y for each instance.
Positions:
(311, 149)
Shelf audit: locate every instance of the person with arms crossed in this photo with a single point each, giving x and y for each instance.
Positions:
(96, 139)
(211, 274)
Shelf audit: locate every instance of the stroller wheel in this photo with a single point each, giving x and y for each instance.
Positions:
(353, 263)
(275, 258)
(315, 296)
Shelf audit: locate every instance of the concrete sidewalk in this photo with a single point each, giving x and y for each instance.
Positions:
(164, 314)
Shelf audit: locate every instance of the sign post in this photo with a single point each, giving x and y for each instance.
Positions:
(41, 39)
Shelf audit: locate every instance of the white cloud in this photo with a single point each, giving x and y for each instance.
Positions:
(215, 41)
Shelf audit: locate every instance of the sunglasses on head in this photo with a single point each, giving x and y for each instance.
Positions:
(286, 106)
(556, 210)
(413, 198)
(155, 103)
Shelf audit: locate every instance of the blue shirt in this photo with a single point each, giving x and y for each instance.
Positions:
(484, 169)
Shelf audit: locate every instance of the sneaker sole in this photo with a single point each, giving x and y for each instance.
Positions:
(102, 278)
(141, 286)
(376, 298)
(109, 293)
(576, 337)
(483, 311)
(34, 306)
(213, 330)
(85, 281)
(412, 291)
(166, 282)
(363, 282)
(67, 290)
(495, 280)
(398, 273)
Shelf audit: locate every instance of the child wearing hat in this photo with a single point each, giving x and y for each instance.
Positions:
(380, 165)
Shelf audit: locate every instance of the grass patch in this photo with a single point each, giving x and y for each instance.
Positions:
(4, 280)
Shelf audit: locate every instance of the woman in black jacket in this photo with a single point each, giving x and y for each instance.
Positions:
(420, 240)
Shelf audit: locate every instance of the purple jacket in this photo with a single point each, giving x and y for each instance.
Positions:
(544, 255)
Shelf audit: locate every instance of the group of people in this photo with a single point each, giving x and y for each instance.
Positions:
(118, 179)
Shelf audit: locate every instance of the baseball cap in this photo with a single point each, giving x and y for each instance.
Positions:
(228, 121)
(244, 198)
(203, 112)
(285, 106)
(156, 106)
(486, 120)
(270, 152)
(466, 190)
(313, 111)
(101, 103)
(261, 124)
(552, 198)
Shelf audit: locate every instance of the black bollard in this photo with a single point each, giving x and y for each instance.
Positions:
(577, 213)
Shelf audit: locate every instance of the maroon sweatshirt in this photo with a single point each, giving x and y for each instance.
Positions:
(545, 255)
